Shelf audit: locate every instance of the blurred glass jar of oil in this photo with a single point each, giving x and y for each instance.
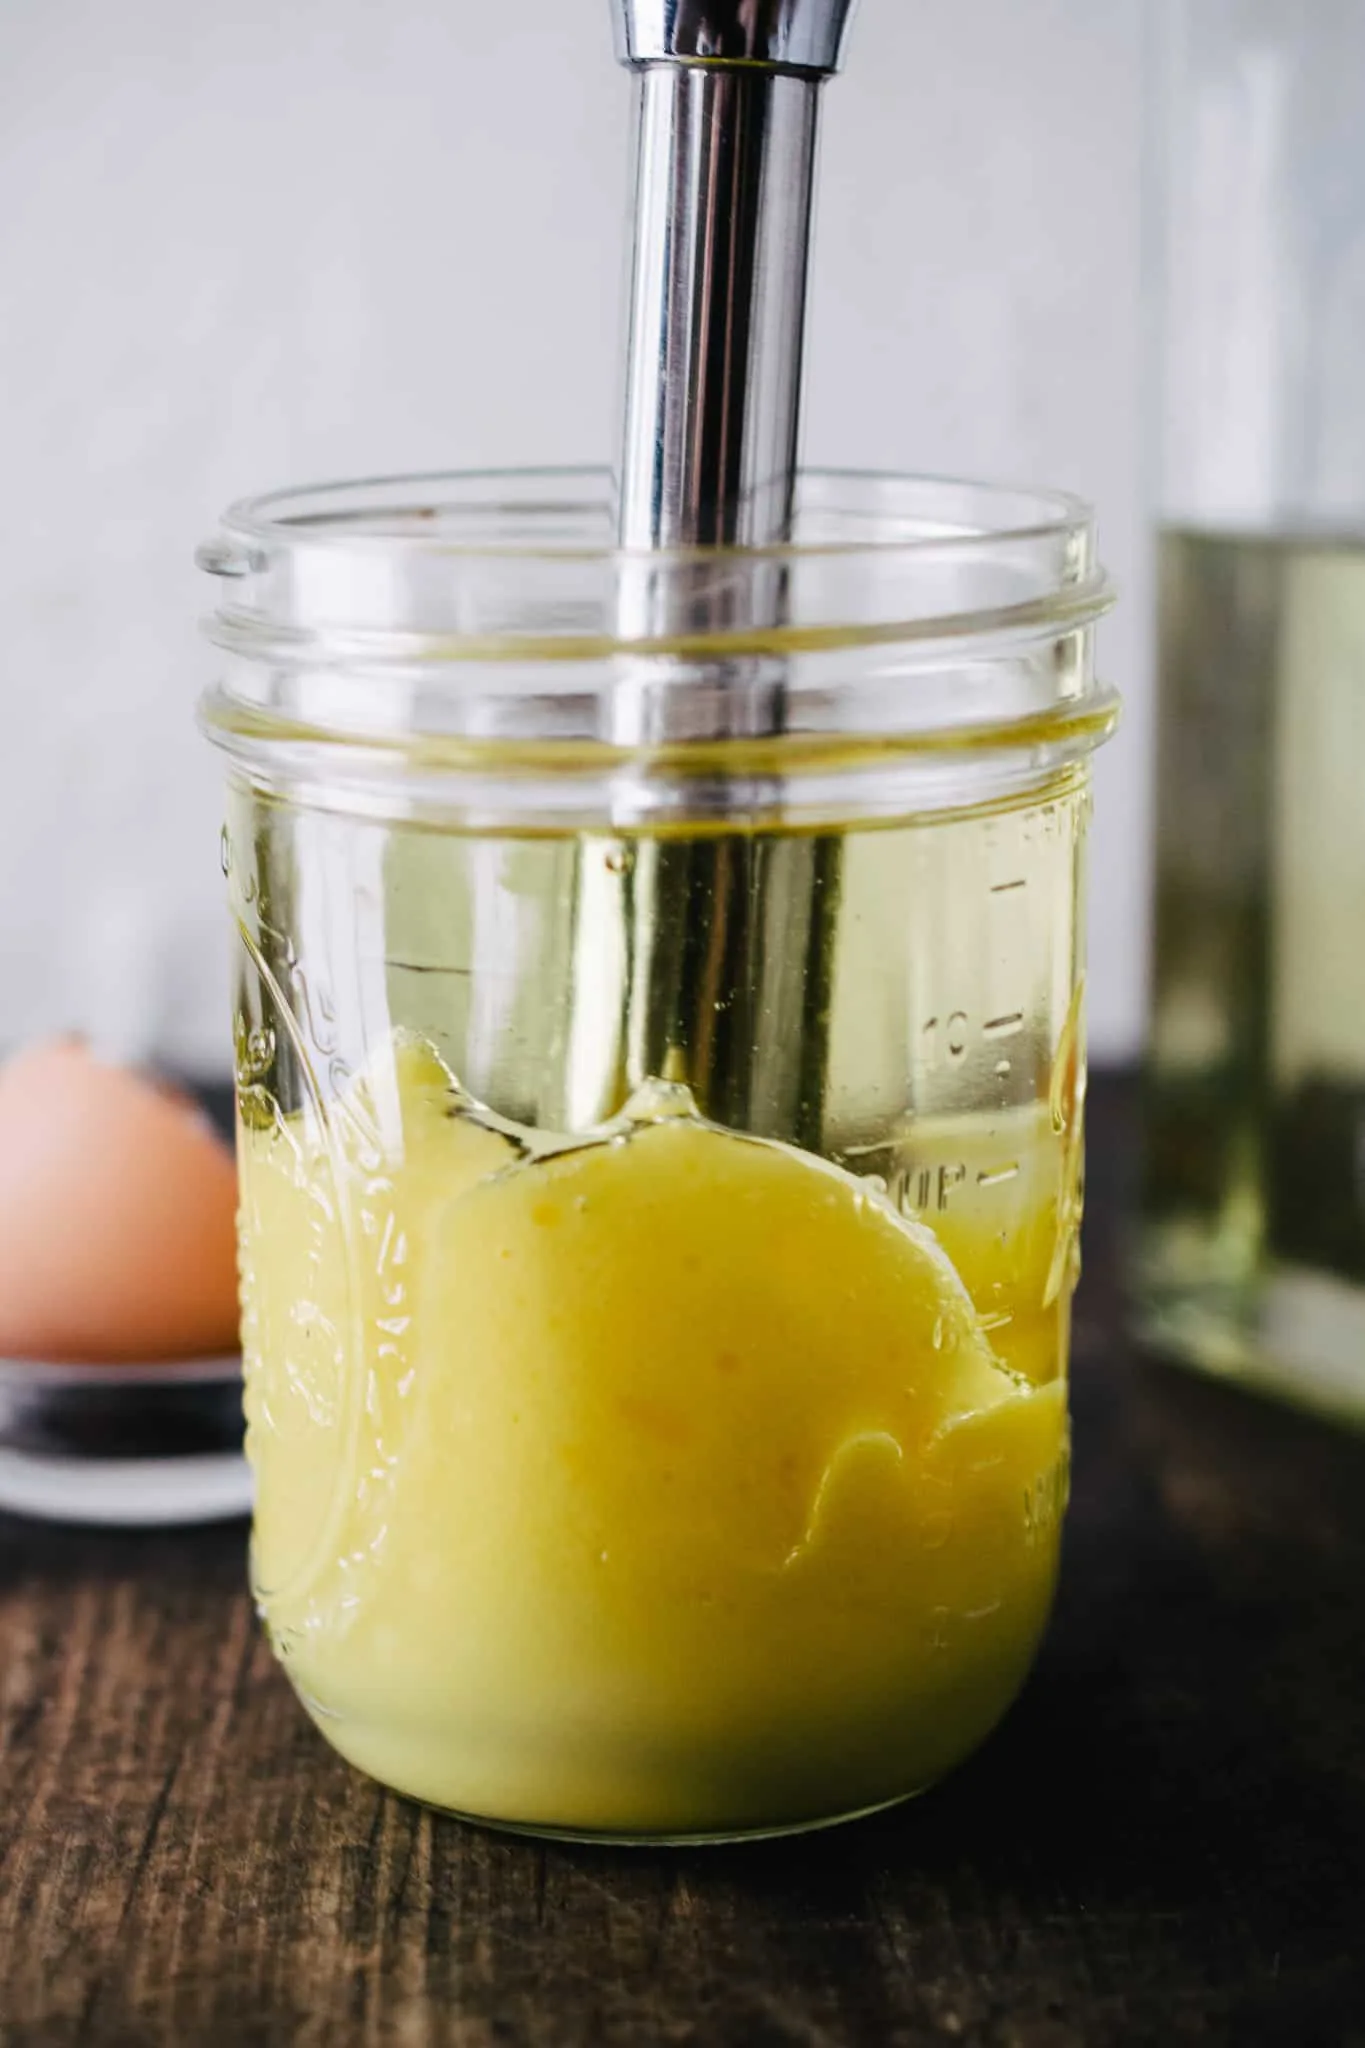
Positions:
(1252, 1250)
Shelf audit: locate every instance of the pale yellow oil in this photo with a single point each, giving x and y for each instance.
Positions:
(656, 1372)
(1252, 1256)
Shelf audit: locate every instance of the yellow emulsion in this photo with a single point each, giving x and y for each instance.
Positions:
(661, 1483)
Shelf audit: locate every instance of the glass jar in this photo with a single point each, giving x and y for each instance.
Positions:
(660, 1136)
(1252, 1255)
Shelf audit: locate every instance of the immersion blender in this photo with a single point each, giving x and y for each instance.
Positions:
(726, 933)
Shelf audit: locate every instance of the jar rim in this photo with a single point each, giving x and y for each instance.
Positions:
(345, 514)
(524, 566)
(489, 617)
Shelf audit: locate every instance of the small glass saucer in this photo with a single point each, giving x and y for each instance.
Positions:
(139, 1446)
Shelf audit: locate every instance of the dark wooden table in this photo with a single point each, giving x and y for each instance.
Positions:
(1165, 1843)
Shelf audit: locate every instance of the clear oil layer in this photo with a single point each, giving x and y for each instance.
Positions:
(656, 1372)
(1252, 1258)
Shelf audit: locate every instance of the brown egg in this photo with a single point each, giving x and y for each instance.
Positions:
(117, 1215)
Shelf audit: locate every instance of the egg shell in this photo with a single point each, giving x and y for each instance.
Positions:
(117, 1215)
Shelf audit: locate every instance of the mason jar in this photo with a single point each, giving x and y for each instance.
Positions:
(660, 1068)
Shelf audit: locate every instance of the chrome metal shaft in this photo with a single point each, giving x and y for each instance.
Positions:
(725, 169)
(723, 940)
(728, 97)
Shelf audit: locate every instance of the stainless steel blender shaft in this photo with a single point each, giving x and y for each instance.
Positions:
(801, 36)
(724, 938)
(725, 165)
(725, 159)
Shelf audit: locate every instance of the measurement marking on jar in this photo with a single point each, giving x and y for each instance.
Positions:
(926, 1187)
(946, 1037)
(1003, 1027)
(430, 967)
(1004, 888)
(996, 1176)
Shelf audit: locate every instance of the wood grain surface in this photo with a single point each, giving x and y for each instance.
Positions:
(1165, 1843)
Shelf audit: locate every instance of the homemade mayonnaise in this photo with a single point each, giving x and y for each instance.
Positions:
(660, 1481)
